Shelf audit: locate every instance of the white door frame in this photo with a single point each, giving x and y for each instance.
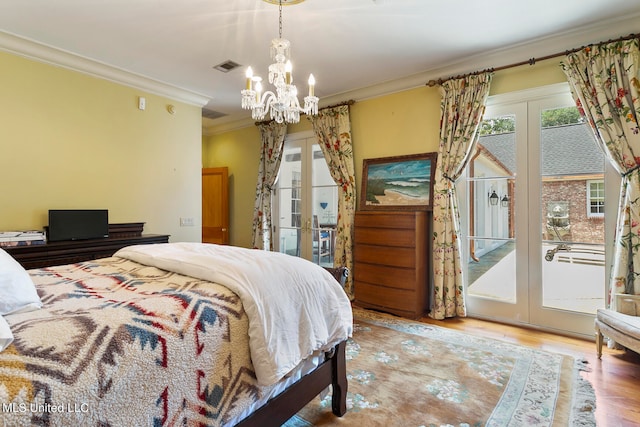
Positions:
(529, 309)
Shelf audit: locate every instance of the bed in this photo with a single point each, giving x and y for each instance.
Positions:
(171, 334)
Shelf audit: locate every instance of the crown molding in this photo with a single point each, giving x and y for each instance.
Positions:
(61, 58)
(227, 126)
(558, 42)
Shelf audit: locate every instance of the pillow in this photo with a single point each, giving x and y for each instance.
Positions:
(6, 337)
(17, 291)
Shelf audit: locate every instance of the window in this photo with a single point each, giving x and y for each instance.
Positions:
(595, 198)
(296, 182)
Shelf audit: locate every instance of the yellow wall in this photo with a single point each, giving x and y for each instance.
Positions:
(397, 124)
(527, 76)
(72, 141)
(240, 152)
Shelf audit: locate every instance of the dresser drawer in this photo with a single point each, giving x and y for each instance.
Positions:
(392, 277)
(372, 236)
(384, 255)
(380, 220)
(398, 301)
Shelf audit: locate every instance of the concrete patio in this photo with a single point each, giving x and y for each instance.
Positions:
(572, 281)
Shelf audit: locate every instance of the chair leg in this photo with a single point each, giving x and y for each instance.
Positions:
(599, 339)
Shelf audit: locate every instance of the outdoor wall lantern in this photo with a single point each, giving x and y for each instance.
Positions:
(504, 202)
(493, 198)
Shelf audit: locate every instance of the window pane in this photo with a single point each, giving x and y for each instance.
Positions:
(492, 170)
(572, 203)
(492, 270)
(596, 198)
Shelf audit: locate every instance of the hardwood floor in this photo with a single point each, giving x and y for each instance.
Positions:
(615, 378)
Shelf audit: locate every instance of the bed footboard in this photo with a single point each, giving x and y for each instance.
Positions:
(282, 407)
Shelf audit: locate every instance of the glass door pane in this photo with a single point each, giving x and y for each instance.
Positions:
(567, 224)
(572, 210)
(324, 207)
(289, 223)
(497, 217)
(307, 203)
(491, 240)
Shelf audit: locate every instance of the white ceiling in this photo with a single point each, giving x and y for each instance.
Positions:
(354, 48)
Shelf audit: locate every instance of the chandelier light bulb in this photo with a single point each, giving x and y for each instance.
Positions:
(287, 69)
(258, 90)
(312, 83)
(249, 75)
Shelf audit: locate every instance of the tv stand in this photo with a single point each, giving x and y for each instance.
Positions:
(69, 252)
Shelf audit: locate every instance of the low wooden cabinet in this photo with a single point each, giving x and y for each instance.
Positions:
(391, 261)
(58, 253)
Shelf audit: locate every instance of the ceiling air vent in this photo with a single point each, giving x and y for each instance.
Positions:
(227, 66)
(210, 114)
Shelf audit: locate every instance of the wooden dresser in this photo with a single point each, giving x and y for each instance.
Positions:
(391, 261)
(73, 251)
(58, 253)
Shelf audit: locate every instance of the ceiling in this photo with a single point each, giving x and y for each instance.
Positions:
(355, 48)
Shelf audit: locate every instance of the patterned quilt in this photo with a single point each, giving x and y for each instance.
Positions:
(122, 344)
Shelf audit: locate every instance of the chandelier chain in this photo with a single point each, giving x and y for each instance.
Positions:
(280, 19)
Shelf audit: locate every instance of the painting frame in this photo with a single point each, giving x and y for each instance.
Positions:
(398, 182)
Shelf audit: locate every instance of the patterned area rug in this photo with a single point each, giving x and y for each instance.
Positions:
(404, 373)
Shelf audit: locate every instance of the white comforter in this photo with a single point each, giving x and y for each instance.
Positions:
(295, 307)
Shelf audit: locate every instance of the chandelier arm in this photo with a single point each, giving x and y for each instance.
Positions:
(267, 100)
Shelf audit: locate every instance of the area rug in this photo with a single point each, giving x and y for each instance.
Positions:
(404, 373)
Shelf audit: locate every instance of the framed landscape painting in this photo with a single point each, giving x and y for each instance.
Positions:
(398, 183)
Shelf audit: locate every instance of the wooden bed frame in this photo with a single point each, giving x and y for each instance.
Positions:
(278, 409)
(285, 405)
(332, 372)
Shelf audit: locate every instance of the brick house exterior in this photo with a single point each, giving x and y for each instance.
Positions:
(572, 164)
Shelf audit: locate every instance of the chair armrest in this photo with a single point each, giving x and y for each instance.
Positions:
(628, 304)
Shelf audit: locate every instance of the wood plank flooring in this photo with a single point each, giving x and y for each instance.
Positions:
(615, 378)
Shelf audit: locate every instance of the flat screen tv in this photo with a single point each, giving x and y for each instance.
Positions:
(78, 224)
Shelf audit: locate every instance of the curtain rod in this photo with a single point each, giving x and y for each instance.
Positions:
(349, 102)
(530, 61)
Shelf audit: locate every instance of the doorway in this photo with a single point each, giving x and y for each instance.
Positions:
(215, 205)
(306, 202)
(535, 200)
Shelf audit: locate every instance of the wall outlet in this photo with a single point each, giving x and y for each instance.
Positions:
(186, 222)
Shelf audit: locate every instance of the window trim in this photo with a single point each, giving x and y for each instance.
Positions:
(588, 198)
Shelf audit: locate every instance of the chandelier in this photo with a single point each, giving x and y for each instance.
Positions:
(283, 105)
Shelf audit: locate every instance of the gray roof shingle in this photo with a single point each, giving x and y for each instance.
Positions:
(567, 150)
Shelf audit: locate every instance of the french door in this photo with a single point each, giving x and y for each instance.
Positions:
(306, 202)
(536, 193)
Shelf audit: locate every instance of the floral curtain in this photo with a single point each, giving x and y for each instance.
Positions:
(461, 110)
(604, 82)
(272, 135)
(333, 129)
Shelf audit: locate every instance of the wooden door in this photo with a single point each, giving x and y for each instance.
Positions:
(215, 205)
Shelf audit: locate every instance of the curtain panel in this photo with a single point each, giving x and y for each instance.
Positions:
(461, 109)
(333, 129)
(272, 136)
(604, 82)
